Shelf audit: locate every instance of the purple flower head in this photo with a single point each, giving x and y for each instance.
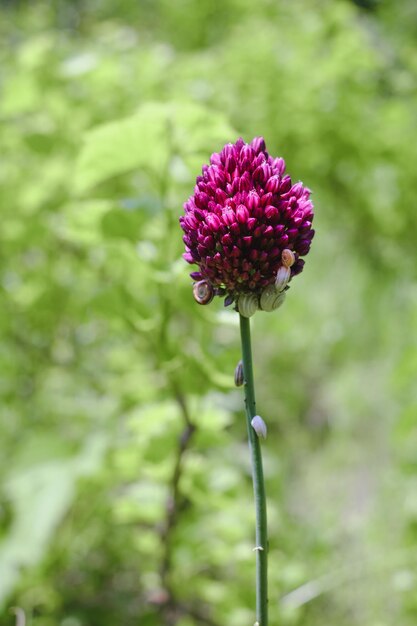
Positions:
(245, 212)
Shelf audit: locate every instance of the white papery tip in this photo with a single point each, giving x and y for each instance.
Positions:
(259, 426)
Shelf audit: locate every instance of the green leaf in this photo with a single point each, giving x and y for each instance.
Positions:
(40, 495)
(121, 224)
(148, 140)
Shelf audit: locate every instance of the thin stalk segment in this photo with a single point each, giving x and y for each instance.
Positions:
(261, 547)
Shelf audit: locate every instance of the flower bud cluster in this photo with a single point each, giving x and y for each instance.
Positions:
(247, 225)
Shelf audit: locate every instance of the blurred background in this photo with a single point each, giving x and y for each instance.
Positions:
(125, 489)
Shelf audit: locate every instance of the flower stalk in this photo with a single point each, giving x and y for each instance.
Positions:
(246, 228)
(261, 547)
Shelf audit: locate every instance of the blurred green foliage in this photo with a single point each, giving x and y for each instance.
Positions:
(125, 493)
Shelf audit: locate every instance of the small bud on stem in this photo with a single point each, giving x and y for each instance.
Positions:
(239, 378)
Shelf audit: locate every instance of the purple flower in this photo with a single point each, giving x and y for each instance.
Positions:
(244, 213)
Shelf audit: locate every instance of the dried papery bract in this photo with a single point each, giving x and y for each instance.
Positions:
(282, 278)
(247, 304)
(271, 299)
(288, 257)
(203, 292)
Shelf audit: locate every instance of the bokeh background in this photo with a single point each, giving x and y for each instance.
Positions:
(125, 490)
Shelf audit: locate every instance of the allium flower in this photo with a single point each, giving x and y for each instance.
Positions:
(244, 214)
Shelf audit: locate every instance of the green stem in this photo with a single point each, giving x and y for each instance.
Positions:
(258, 479)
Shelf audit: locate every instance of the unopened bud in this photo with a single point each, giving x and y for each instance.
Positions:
(259, 426)
(271, 299)
(247, 304)
(228, 300)
(288, 257)
(239, 378)
(283, 276)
